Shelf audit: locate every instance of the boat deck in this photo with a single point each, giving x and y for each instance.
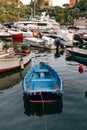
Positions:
(42, 85)
(42, 81)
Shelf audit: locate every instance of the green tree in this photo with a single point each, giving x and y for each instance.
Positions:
(75, 11)
(82, 5)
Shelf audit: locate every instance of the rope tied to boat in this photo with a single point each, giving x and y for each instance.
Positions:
(28, 87)
(43, 111)
(56, 86)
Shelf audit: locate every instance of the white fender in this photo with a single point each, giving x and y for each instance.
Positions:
(21, 63)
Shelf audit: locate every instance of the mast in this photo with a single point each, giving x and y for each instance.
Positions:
(18, 9)
(34, 8)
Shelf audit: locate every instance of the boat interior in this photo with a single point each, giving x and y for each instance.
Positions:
(43, 80)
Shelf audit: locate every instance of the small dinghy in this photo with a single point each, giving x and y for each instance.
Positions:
(13, 60)
(42, 84)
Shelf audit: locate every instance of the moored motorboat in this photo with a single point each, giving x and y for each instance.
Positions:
(17, 36)
(43, 42)
(42, 84)
(78, 53)
(13, 60)
(4, 34)
(1, 45)
(34, 41)
(20, 34)
(13, 77)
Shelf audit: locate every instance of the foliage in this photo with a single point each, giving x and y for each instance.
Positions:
(64, 15)
(81, 5)
(75, 12)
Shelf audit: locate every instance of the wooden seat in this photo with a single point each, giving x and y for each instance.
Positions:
(41, 70)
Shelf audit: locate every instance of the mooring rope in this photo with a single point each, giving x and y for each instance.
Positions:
(43, 112)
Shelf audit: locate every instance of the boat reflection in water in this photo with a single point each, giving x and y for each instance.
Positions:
(10, 78)
(41, 109)
(86, 94)
(58, 53)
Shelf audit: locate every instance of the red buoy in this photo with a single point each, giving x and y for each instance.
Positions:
(26, 51)
(81, 68)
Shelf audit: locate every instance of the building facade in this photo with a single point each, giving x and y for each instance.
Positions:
(81, 20)
(39, 2)
(44, 2)
(72, 2)
(8, 1)
(49, 2)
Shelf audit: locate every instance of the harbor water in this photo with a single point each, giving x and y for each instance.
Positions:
(70, 114)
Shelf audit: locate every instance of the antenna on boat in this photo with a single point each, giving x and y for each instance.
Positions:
(34, 9)
(18, 8)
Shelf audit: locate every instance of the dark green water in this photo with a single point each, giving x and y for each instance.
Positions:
(70, 114)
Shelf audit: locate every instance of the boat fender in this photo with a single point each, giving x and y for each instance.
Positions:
(21, 63)
(56, 87)
(81, 68)
(43, 43)
(28, 87)
(6, 30)
(37, 35)
(26, 51)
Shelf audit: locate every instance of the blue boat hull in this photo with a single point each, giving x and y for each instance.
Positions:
(43, 97)
(37, 108)
(42, 84)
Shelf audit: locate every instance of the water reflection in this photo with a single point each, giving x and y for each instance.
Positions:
(85, 94)
(40, 109)
(13, 77)
(58, 53)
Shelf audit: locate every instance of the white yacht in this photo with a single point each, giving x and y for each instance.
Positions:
(33, 25)
(42, 23)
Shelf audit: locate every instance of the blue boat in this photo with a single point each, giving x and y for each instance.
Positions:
(38, 109)
(42, 84)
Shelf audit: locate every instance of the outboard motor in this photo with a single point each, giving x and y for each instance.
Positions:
(78, 38)
(58, 43)
(24, 46)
